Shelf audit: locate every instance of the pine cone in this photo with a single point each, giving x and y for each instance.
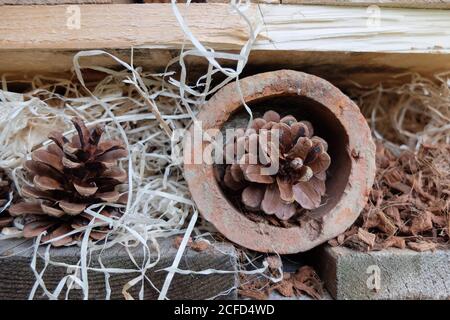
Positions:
(68, 177)
(5, 195)
(303, 161)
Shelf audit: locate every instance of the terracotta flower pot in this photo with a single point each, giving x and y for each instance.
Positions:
(336, 118)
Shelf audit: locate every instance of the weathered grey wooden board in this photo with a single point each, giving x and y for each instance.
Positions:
(17, 278)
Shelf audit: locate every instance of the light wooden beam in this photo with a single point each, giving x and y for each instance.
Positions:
(422, 4)
(333, 28)
(118, 26)
(425, 4)
(331, 40)
(286, 27)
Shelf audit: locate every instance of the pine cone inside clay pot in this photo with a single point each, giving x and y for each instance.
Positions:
(5, 198)
(303, 160)
(67, 177)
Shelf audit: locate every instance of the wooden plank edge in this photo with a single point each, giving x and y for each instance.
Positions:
(17, 279)
(415, 4)
(284, 27)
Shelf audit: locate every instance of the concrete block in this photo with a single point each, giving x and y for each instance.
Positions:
(388, 274)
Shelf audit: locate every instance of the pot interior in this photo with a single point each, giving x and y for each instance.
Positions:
(326, 125)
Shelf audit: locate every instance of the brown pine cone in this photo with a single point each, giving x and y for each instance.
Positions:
(67, 177)
(303, 161)
(5, 195)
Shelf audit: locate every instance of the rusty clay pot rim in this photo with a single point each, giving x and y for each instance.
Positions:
(262, 237)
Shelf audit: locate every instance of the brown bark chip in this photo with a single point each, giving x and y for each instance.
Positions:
(409, 205)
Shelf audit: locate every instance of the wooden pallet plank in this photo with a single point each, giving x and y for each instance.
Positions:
(284, 27)
(17, 279)
(430, 4)
(422, 4)
(117, 26)
(333, 28)
(315, 39)
(341, 68)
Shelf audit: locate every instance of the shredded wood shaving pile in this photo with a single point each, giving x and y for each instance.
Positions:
(159, 199)
(407, 110)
